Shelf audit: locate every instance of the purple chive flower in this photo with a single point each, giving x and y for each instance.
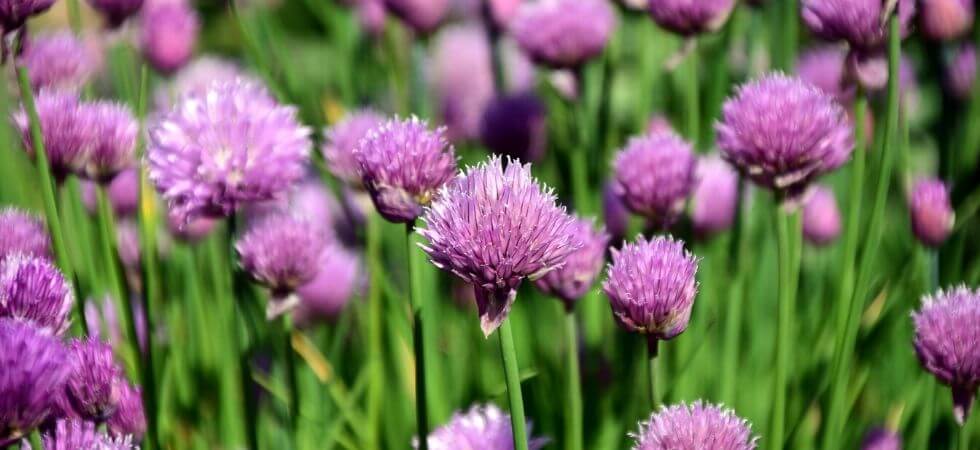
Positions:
(654, 175)
(282, 253)
(23, 233)
(230, 145)
(945, 19)
(930, 212)
(66, 136)
(503, 11)
(947, 328)
(113, 145)
(59, 61)
(821, 217)
(195, 78)
(34, 371)
(168, 34)
(962, 72)
(403, 164)
(128, 244)
(338, 278)
(615, 214)
(92, 390)
(563, 33)
(823, 67)
(659, 124)
(123, 192)
(882, 439)
(462, 76)
(116, 11)
(493, 227)
(782, 133)
(482, 427)
(694, 426)
(33, 290)
(423, 16)
(73, 434)
(340, 142)
(573, 280)
(714, 201)
(192, 231)
(371, 14)
(859, 22)
(13, 13)
(689, 18)
(516, 126)
(651, 287)
(129, 418)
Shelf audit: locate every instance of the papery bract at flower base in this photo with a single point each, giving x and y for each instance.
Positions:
(29, 386)
(482, 427)
(694, 426)
(33, 290)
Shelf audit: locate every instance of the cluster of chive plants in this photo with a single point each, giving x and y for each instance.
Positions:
(345, 224)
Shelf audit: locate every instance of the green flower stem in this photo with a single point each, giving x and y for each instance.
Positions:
(114, 281)
(788, 231)
(375, 310)
(416, 300)
(239, 338)
(693, 97)
(733, 315)
(785, 38)
(573, 409)
(292, 384)
(964, 435)
(653, 350)
(512, 374)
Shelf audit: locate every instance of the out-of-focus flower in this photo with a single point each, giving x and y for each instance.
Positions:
(195, 77)
(563, 33)
(482, 427)
(945, 19)
(947, 328)
(66, 136)
(493, 227)
(101, 318)
(92, 388)
(688, 18)
(33, 374)
(59, 61)
(338, 278)
(123, 192)
(116, 11)
(190, 231)
(313, 202)
(423, 16)
(930, 212)
(651, 287)
(33, 290)
(783, 133)
(462, 76)
(113, 145)
(823, 67)
(654, 175)
(168, 34)
(882, 439)
(22, 233)
(129, 419)
(503, 11)
(859, 22)
(615, 214)
(821, 217)
(573, 280)
(128, 243)
(659, 124)
(870, 69)
(230, 145)
(694, 426)
(341, 140)
(371, 14)
(73, 434)
(714, 201)
(962, 72)
(515, 125)
(13, 13)
(403, 163)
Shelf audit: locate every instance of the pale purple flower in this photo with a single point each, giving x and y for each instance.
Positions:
(882, 439)
(190, 231)
(113, 145)
(227, 146)
(341, 140)
(371, 14)
(116, 11)
(659, 124)
(563, 33)
(403, 164)
(482, 427)
(714, 201)
(74, 434)
(123, 192)
(947, 330)
(33, 290)
(859, 22)
(59, 61)
(870, 69)
(462, 77)
(314, 202)
(493, 227)
(782, 133)
(423, 16)
(654, 175)
(615, 214)
(339, 277)
(962, 71)
(168, 34)
(824, 67)
(821, 217)
(13, 13)
(195, 77)
(92, 389)
(694, 426)
(945, 19)
(129, 418)
(23, 233)
(503, 11)
(516, 126)
(691, 17)
(930, 212)
(128, 243)
(66, 136)
(34, 372)
(651, 287)
(575, 278)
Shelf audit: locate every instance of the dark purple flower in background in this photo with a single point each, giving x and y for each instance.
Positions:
(66, 136)
(482, 427)
(33, 290)
(930, 212)
(34, 372)
(116, 11)
(821, 217)
(168, 34)
(962, 72)
(339, 277)
(73, 434)
(945, 19)
(694, 426)
(113, 145)
(882, 439)
(515, 126)
(563, 33)
(783, 133)
(654, 175)
(714, 201)
(947, 329)
(23, 233)
(688, 18)
(231, 145)
(651, 287)
(92, 389)
(859, 22)
(423, 16)
(129, 418)
(403, 164)
(462, 77)
(341, 139)
(13, 13)
(575, 278)
(615, 214)
(123, 192)
(493, 227)
(59, 61)
(824, 68)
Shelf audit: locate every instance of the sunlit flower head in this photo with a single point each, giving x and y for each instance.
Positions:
(482, 427)
(563, 33)
(694, 426)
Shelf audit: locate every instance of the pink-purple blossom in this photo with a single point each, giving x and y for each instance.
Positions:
(563, 33)
(654, 175)
(694, 426)
(33, 290)
(576, 277)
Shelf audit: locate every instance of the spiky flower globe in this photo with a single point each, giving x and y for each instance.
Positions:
(116, 11)
(22, 233)
(338, 278)
(33, 290)
(859, 22)
(821, 217)
(824, 68)
(403, 164)
(34, 372)
(783, 133)
(882, 439)
(129, 418)
(66, 136)
(651, 287)
(654, 175)
(962, 72)
(516, 126)
(168, 34)
(482, 427)
(945, 19)
(573, 280)
(423, 16)
(341, 140)
(92, 390)
(689, 18)
(13, 13)
(947, 328)
(74, 434)
(563, 33)
(694, 426)
(493, 227)
(714, 201)
(230, 145)
(59, 61)
(930, 212)
(113, 145)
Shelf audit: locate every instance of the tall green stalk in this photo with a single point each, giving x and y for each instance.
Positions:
(733, 316)
(292, 382)
(512, 373)
(573, 382)
(653, 351)
(964, 435)
(693, 97)
(416, 300)
(787, 231)
(375, 310)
